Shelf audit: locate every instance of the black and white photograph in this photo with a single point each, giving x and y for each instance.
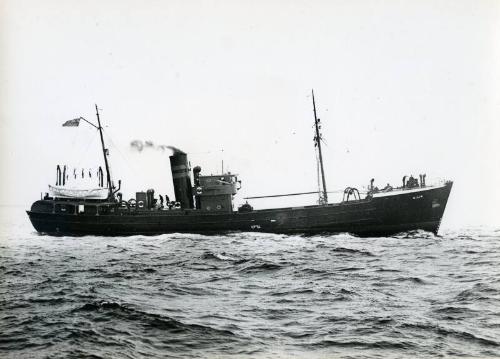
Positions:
(249, 179)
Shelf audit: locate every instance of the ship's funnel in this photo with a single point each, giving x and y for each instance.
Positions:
(182, 182)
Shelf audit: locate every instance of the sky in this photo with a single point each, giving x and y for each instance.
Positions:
(402, 88)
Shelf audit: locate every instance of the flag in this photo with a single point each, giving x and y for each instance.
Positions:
(72, 123)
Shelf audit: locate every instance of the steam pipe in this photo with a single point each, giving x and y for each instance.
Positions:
(119, 186)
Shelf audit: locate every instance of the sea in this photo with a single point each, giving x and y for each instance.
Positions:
(248, 295)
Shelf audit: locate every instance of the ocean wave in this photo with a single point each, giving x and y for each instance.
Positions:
(223, 256)
(380, 344)
(344, 250)
(414, 280)
(416, 234)
(151, 320)
(349, 269)
(250, 295)
(49, 301)
(307, 271)
(389, 270)
(305, 291)
(479, 291)
(458, 334)
(261, 267)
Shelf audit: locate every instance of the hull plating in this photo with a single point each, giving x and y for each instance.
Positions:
(377, 216)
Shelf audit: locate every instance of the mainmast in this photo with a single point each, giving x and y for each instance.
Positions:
(104, 152)
(317, 142)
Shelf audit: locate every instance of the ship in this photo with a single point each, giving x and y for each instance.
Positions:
(204, 204)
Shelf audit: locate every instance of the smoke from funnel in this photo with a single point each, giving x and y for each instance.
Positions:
(174, 149)
(139, 145)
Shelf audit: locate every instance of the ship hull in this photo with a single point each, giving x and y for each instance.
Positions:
(380, 215)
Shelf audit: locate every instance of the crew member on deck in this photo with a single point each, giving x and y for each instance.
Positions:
(412, 182)
(168, 203)
(161, 201)
(387, 188)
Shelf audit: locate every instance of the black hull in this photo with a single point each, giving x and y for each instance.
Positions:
(378, 216)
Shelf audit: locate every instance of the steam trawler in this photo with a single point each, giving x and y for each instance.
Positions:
(206, 206)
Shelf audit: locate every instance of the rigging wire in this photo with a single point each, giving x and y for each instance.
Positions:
(84, 152)
(298, 194)
(126, 159)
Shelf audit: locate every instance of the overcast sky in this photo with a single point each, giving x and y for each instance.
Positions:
(402, 87)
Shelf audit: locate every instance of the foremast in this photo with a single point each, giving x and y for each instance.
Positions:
(323, 199)
(105, 154)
